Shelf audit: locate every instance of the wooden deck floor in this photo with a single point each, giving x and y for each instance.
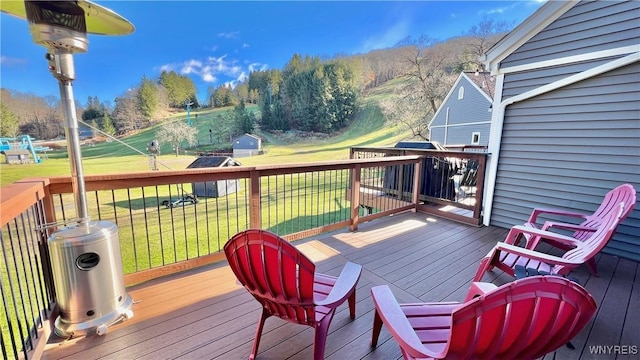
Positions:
(204, 314)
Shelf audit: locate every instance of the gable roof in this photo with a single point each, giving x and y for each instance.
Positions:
(483, 82)
(545, 15)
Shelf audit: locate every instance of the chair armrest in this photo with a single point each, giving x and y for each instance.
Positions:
(344, 285)
(535, 255)
(534, 214)
(566, 226)
(479, 288)
(397, 323)
(538, 233)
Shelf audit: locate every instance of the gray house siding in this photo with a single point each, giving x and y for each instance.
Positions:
(466, 116)
(587, 27)
(568, 147)
(246, 145)
(461, 135)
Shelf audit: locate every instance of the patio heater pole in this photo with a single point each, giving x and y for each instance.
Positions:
(65, 59)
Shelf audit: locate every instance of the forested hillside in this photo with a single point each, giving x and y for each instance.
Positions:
(310, 94)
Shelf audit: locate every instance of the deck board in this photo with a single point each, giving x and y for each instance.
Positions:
(205, 314)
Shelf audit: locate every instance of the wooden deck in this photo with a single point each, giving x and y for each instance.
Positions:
(204, 314)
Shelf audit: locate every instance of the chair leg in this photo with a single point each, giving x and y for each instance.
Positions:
(377, 327)
(591, 264)
(483, 267)
(322, 329)
(256, 342)
(352, 305)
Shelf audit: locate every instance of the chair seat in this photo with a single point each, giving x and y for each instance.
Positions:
(431, 322)
(511, 260)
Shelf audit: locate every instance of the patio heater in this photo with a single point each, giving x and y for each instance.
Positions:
(85, 256)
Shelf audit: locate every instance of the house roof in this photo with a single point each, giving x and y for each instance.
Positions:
(212, 161)
(545, 15)
(251, 135)
(483, 80)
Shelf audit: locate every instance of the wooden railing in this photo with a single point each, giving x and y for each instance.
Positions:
(451, 183)
(292, 200)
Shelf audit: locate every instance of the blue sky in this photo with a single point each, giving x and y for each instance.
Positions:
(215, 42)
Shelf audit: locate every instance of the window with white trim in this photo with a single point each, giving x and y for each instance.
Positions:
(475, 138)
(461, 93)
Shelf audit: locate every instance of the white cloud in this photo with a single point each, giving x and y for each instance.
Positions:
(498, 10)
(212, 68)
(389, 38)
(9, 61)
(245, 45)
(257, 67)
(229, 35)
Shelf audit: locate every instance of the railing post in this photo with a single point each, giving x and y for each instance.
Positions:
(417, 175)
(255, 220)
(477, 208)
(355, 197)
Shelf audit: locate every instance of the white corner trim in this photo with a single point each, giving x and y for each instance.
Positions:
(572, 59)
(612, 65)
(495, 137)
(462, 124)
(493, 148)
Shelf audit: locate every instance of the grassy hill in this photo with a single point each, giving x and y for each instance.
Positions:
(129, 155)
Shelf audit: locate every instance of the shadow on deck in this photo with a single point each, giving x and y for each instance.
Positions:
(205, 314)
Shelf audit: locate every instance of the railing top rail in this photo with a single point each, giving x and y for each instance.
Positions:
(17, 197)
(62, 184)
(421, 152)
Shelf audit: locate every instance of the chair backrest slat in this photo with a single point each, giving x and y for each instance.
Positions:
(595, 242)
(275, 273)
(625, 193)
(524, 319)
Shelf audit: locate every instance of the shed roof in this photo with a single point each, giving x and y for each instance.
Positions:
(213, 161)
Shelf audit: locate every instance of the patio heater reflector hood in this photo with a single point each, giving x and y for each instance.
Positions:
(85, 257)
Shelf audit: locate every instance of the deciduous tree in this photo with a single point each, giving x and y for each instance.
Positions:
(175, 133)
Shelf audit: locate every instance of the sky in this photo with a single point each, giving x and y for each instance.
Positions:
(221, 42)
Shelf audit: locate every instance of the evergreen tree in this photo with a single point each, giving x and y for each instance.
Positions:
(243, 120)
(94, 110)
(147, 97)
(179, 89)
(9, 122)
(107, 125)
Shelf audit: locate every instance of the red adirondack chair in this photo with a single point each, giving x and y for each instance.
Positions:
(506, 256)
(590, 222)
(524, 319)
(284, 281)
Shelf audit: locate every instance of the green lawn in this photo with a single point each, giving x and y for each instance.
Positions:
(368, 129)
